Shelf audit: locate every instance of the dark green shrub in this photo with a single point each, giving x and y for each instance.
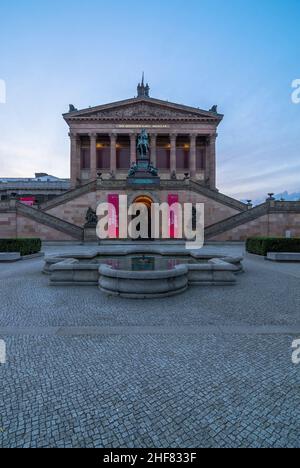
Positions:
(263, 245)
(24, 246)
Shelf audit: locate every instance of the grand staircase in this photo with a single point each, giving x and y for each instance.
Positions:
(176, 185)
(48, 220)
(69, 195)
(266, 208)
(245, 215)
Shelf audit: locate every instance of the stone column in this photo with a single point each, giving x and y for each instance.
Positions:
(113, 153)
(78, 158)
(212, 161)
(132, 148)
(153, 149)
(193, 168)
(207, 160)
(74, 173)
(173, 139)
(93, 150)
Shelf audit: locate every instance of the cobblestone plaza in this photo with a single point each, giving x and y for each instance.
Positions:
(210, 368)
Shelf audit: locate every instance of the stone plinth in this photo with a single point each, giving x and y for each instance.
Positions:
(143, 180)
(90, 234)
(10, 256)
(283, 256)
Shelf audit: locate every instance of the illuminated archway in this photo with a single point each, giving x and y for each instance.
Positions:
(147, 201)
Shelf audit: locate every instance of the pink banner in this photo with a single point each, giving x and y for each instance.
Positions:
(113, 216)
(173, 221)
(30, 201)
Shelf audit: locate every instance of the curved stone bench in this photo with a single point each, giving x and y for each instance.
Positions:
(143, 284)
(215, 273)
(71, 272)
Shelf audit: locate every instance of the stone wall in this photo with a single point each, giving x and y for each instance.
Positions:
(74, 211)
(7, 225)
(213, 211)
(27, 227)
(273, 224)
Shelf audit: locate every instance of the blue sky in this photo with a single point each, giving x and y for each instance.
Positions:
(242, 55)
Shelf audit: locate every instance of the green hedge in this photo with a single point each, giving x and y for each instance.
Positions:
(24, 246)
(263, 245)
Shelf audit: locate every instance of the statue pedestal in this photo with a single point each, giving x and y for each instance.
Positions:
(143, 179)
(143, 176)
(90, 233)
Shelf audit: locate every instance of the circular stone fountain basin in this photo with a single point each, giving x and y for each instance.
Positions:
(143, 284)
(142, 273)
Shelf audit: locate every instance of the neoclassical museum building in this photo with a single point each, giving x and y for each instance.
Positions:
(183, 139)
(103, 148)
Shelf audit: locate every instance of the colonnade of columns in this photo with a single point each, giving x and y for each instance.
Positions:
(210, 158)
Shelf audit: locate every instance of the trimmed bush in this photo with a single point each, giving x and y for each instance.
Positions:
(24, 246)
(263, 245)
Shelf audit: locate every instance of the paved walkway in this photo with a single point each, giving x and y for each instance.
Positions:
(210, 368)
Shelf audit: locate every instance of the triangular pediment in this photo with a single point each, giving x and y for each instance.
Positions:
(143, 109)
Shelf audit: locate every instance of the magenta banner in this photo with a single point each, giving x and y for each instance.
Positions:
(113, 216)
(30, 201)
(173, 221)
